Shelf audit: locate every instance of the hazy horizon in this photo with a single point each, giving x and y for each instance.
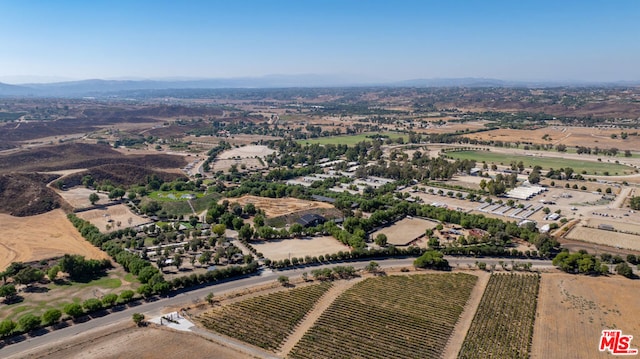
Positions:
(373, 41)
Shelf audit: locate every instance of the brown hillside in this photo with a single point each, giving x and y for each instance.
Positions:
(119, 175)
(80, 155)
(27, 194)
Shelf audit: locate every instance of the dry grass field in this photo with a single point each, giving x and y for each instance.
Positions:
(573, 310)
(274, 207)
(603, 237)
(79, 197)
(570, 136)
(111, 216)
(299, 247)
(225, 165)
(246, 152)
(128, 341)
(404, 231)
(26, 239)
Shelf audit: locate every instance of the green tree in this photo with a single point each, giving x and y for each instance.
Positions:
(431, 259)
(28, 275)
(210, 298)
(258, 220)
(245, 232)
(381, 240)
(52, 273)
(177, 260)
(205, 257)
(624, 270)
(117, 193)
(109, 300)
(73, 310)
(29, 322)
(92, 305)
(372, 267)
(93, 198)
(6, 327)
(219, 229)
(296, 229)
(138, 318)
(51, 316)
(146, 290)
(126, 296)
(283, 280)
(634, 203)
(8, 291)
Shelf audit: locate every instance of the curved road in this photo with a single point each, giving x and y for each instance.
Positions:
(188, 297)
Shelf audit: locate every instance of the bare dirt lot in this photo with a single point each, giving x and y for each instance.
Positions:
(274, 207)
(249, 164)
(573, 311)
(111, 216)
(299, 247)
(26, 239)
(246, 152)
(607, 238)
(403, 232)
(128, 341)
(79, 197)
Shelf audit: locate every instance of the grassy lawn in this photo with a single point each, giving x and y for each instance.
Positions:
(175, 205)
(591, 167)
(56, 296)
(351, 140)
(171, 196)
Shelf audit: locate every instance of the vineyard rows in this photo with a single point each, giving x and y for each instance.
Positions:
(389, 317)
(267, 320)
(503, 324)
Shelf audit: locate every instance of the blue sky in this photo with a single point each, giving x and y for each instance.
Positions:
(377, 40)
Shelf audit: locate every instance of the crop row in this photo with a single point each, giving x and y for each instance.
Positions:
(265, 321)
(503, 324)
(389, 317)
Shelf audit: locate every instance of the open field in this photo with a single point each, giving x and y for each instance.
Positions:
(607, 238)
(112, 215)
(573, 310)
(591, 167)
(246, 152)
(624, 226)
(129, 341)
(56, 296)
(274, 207)
(503, 324)
(225, 165)
(376, 318)
(567, 135)
(265, 321)
(406, 230)
(350, 140)
(78, 197)
(26, 239)
(299, 247)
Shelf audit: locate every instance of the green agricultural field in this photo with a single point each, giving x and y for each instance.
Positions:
(591, 167)
(503, 324)
(390, 317)
(351, 140)
(265, 321)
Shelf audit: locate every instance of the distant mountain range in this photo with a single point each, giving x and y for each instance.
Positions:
(87, 88)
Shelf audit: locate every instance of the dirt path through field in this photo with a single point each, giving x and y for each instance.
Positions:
(464, 322)
(323, 304)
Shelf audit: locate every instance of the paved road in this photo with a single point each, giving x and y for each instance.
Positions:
(186, 298)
